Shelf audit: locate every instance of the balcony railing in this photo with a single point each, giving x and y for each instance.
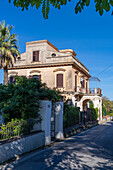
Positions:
(97, 91)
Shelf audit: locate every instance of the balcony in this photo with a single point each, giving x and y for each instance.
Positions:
(94, 91)
(91, 91)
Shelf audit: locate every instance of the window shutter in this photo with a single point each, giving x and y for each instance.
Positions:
(75, 83)
(59, 80)
(83, 85)
(86, 88)
(39, 77)
(33, 58)
(36, 56)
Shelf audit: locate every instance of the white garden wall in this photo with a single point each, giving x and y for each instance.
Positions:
(20, 146)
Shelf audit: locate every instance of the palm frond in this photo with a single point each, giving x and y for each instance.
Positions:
(8, 45)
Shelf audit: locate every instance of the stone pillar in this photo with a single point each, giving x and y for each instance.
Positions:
(80, 104)
(98, 104)
(45, 113)
(59, 120)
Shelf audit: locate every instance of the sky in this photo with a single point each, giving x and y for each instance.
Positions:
(88, 34)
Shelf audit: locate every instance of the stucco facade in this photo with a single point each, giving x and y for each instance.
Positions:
(52, 62)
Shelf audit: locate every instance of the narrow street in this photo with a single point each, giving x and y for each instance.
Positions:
(92, 149)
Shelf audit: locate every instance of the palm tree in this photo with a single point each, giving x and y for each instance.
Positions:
(8, 49)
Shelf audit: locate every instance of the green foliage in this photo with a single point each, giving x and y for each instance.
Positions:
(70, 116)
(8, 46)
(94, 113)
(16, 127)
(27, 126)
(107, 106)
(91, 105)
(11, 129)
(100, 5)
(111, 114)
(8, 49)
(103, 110)
(22, 100)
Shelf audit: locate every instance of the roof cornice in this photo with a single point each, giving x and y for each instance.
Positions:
(42, 41)
(49, 65)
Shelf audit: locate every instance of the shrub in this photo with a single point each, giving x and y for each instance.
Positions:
(22, 99)
(11, 129)
(16, 127)
(70, 116)
(111, 114)
(91, 105)
(94, 113)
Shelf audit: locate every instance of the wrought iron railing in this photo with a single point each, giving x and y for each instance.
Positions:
(8, 131)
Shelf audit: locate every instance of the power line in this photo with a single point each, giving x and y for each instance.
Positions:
(104, 69)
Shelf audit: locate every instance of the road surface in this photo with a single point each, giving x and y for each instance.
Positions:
(92, 149)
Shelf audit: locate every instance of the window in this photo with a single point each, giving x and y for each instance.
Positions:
(37, 76)
(53, 55)
(12, 79)
(86, 88)
(59, 81)
(35, 56)
(82, 82)
(75, 83)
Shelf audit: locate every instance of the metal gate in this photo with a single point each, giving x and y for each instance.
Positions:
(53, 121)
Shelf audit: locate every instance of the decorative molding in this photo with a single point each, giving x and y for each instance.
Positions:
(42, 41)
(13, 72)
(49, 65)
(59, 69)
(68, 50)
(35, 71)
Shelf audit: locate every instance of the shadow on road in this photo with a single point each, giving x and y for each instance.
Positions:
(92, 149)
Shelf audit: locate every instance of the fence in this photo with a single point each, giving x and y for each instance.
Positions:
(9, 131)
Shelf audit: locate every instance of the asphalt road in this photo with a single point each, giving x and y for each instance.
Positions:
(92, 149)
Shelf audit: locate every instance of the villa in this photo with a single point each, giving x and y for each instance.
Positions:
(60, 69)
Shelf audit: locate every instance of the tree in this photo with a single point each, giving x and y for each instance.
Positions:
(100, 5)
(105, 98)
(8, 49)
(107, 105)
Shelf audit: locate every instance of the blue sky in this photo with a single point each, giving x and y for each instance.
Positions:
(88, 34)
